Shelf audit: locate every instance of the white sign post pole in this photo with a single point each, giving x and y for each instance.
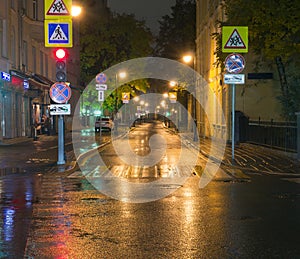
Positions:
(233, 121)
(61, 144)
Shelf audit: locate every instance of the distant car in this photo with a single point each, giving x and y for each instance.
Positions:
(104, 124)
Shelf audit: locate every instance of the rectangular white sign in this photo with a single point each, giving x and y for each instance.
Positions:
(60, 109)
(100, 96)
(234, 79)
(101, 87)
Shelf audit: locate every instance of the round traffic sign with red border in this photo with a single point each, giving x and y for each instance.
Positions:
(60, 92)
(101, 78)
(234, 63)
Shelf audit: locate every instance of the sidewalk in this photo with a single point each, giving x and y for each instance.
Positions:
(25, 154)
(251, 157)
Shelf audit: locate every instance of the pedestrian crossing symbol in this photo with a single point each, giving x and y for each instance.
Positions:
(55, 9)
(58, 33)
(235, 39)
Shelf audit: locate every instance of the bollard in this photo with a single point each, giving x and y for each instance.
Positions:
(35, 138)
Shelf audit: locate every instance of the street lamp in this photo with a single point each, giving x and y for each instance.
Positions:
(76, 10)
(188, 59)
(173, 83)
(120, 75)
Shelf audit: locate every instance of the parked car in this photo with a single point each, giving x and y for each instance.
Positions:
(104, 124)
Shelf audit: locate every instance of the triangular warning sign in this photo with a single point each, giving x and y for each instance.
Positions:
(235, 41)
(58, 34)
(58, 7)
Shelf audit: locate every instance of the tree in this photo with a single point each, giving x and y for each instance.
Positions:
(274, 36)
(106, 43)
(110, 41)
(177, 31)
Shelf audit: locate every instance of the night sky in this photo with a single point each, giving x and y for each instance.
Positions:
(149, 10)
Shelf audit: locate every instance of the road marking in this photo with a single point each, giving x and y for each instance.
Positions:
(125, 171)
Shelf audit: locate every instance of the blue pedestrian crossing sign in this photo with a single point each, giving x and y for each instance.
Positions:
(58, 33)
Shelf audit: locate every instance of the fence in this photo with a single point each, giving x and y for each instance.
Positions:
(281, 135)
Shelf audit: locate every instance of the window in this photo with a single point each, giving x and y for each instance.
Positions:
(12, 4)
(33, 59)
(25, 54)
(24, 6)
(34, 10)
(3, 39)
(46, 66)
(41, 63)
(13, 49)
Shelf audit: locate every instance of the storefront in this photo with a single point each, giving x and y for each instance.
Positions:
(24, 100)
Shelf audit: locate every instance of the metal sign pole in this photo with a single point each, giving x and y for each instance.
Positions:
(233, 120)
(61, 159)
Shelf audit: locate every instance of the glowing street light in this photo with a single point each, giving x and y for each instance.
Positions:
(172, 83)
(122, 75)
(165, 95)
(187, 58)
(76, 10)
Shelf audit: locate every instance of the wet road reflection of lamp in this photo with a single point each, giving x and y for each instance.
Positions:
(188, 59)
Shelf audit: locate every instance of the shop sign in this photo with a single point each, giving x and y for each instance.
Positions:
(5, 76)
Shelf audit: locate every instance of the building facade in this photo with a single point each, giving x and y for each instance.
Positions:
(28, 68)
(256, 99)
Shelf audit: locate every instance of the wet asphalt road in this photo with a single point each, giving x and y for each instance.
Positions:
(59, 216)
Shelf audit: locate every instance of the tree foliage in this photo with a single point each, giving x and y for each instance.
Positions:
(274, 36)
(106, 42)
(177, 31)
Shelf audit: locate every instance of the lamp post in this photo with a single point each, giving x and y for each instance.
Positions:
(120, 75)
(188, 59)
(173, 99)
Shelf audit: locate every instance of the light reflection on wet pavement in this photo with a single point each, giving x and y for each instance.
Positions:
(53, 216)
(18, 193)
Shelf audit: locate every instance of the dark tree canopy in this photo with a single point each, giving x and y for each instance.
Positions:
(108, 41)
(177, 31)
(274, 36)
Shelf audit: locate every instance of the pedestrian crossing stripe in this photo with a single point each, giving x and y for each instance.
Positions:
(235, 39)
(58, 33)
(55, 9)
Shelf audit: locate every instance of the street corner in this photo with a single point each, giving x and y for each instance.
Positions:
(237, 174)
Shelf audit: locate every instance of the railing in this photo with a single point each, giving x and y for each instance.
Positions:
(281, 135)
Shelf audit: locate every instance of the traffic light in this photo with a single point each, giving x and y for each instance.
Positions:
(61, 65)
